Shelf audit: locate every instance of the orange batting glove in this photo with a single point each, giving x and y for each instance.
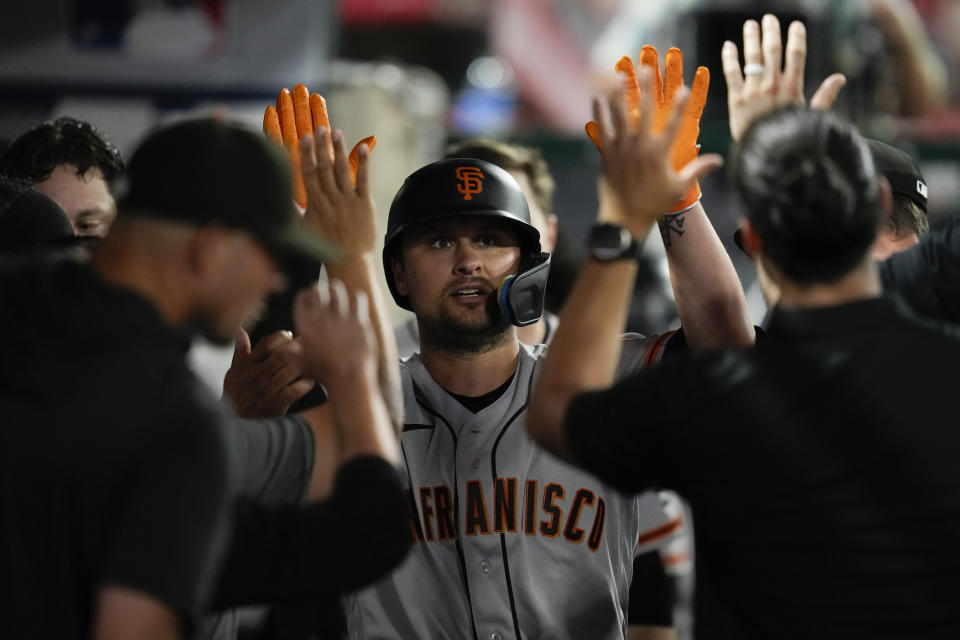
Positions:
(685, 147)
(294, 117)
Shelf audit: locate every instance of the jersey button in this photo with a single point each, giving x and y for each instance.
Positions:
(484, 567)
(475, 463)
(496, 636)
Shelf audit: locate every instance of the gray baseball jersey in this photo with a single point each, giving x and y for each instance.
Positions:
(510, 542)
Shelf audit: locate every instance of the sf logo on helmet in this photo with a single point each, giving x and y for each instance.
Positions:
(470, 181)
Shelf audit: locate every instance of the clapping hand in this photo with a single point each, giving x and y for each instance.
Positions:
(338, 338)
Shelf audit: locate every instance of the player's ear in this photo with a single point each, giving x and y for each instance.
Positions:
(399, 275)
(752, 243)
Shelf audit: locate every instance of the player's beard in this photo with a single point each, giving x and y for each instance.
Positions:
(443, 331)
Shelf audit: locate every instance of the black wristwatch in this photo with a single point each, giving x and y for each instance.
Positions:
(610, 242)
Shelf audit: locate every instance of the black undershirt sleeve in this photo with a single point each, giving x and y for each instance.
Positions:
(651, 592)
(633, 435)
(286, 554)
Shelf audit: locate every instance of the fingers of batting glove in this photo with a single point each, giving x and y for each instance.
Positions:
(594, 134)
(301, 110)
(631, 91)
(354, 159)
(673, 76)
(288, 128)
(318, 109)
(649, 59)
(685, 145)
(271, 125)
(288, 120)
(698, 95)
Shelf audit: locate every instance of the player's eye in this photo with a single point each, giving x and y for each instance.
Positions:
(487, 240)
(441, 242)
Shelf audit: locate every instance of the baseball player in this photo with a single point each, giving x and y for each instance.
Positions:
(498, 523)
(509, 541)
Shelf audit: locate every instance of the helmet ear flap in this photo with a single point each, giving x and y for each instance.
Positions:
(521, 296)
(502, 292)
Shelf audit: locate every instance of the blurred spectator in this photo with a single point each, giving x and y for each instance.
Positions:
(72, 163)
(883, 48)
(907, 221)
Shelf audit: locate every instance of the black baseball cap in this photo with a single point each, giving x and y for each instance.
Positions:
(901, 172)
(206, 171)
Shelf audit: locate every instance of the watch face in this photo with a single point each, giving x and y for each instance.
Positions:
(609, 241)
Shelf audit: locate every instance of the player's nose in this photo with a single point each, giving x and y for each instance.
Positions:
(467, 258)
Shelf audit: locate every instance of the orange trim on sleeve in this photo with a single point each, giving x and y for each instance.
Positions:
(660, 532)
(674, 559)
(655, 349)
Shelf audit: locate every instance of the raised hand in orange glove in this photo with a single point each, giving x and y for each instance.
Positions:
(297, 115)
(684, 148)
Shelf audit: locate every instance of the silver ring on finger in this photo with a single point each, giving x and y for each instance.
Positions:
(753, 69)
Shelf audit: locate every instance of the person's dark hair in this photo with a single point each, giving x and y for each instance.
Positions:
(806, 182)
(511, 157)
(36, 153)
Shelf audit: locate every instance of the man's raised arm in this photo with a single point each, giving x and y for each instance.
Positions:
(344, 213)
(639, 184)
(707, 290)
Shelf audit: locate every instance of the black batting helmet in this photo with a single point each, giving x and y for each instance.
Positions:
(456, 187)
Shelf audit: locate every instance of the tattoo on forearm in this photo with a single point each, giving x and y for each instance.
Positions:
(669, 224)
